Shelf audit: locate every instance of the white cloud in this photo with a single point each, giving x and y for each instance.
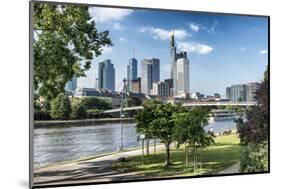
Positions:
(122, 39)
(195, 47)
(106, 49)
(243, 48)
(263, 51)
(194, 27)
(108, 14)
(210, 29)
(160, 33)
(118, 26)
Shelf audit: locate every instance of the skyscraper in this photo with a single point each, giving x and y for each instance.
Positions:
(136, 85)
(238, 92)
(160, 89)
(182, 77)
(132, 72)
(175, 70)
(228, 93)
(150, 74)
(251, 89)
(172, 54)
(106, 75)
(170, 83)
(155, 70)
(242, 92)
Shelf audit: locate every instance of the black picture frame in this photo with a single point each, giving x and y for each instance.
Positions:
(31, 108)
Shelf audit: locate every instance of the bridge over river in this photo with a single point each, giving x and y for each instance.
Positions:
(189, 104)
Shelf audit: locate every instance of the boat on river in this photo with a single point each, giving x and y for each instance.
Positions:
(218, 115)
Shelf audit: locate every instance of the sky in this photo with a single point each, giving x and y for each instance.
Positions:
(222, 49)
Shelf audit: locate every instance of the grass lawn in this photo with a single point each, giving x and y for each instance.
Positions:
(224, 153)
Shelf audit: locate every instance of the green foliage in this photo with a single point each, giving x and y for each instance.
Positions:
(145, 116)
(169, 123)
(254, 132)
(78, 112)
(189, 128)
(95, 103)
(60, 107)
(134, 102)
(255, 128)
(66, 40)
(254, 158)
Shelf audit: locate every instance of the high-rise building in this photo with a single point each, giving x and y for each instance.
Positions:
(136, 85)
(160, 89)
(251, 89)
(182, 77)
(71, 85)
(150, 74)
(170, 83)
(238, 93)
(106, 75)
(242, 92)
(228, 93)
(174, 57)
(155, 69)
(172, 54)
(132, 72)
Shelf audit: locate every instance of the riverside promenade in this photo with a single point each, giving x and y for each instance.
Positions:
(87, 171)
(80, 122)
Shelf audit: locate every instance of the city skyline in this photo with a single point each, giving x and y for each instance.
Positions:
(222, 49)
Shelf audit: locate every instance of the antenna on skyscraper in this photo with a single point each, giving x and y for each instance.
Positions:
(133, 53)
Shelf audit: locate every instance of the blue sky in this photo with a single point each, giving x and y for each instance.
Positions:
(222, 49)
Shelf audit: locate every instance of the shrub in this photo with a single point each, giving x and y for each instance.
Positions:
(95, 103)
(254, 158)
(78, 111)
(60, 107)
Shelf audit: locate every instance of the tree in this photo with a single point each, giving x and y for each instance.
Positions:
(144, 119)
(78, 111)
(66, 40)
(255, 128)
(181, 133)
(189, 130)
(134, 102)
(254, 132)
(163, 125)
(60, 107)
(95, 103)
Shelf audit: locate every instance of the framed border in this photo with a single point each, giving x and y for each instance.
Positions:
(31, 95)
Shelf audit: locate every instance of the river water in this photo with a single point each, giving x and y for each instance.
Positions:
(55, 145)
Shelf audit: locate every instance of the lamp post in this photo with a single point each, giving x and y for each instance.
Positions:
(122, 115)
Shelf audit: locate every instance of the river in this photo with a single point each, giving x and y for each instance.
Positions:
(55, 145)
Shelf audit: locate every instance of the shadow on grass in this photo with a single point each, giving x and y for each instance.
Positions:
(224, 153)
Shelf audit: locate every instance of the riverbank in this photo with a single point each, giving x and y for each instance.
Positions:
(217, 157)
(80, 122)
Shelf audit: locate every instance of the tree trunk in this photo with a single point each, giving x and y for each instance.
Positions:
(194, 160)
(154, 145)
(201, 159)
(186, 156)
(142, 151)
(147, 147)
(196, 157)
(167, 154)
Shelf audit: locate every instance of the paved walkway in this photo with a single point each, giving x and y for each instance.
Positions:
(93, 170)
(96, 170)
(232, 169)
